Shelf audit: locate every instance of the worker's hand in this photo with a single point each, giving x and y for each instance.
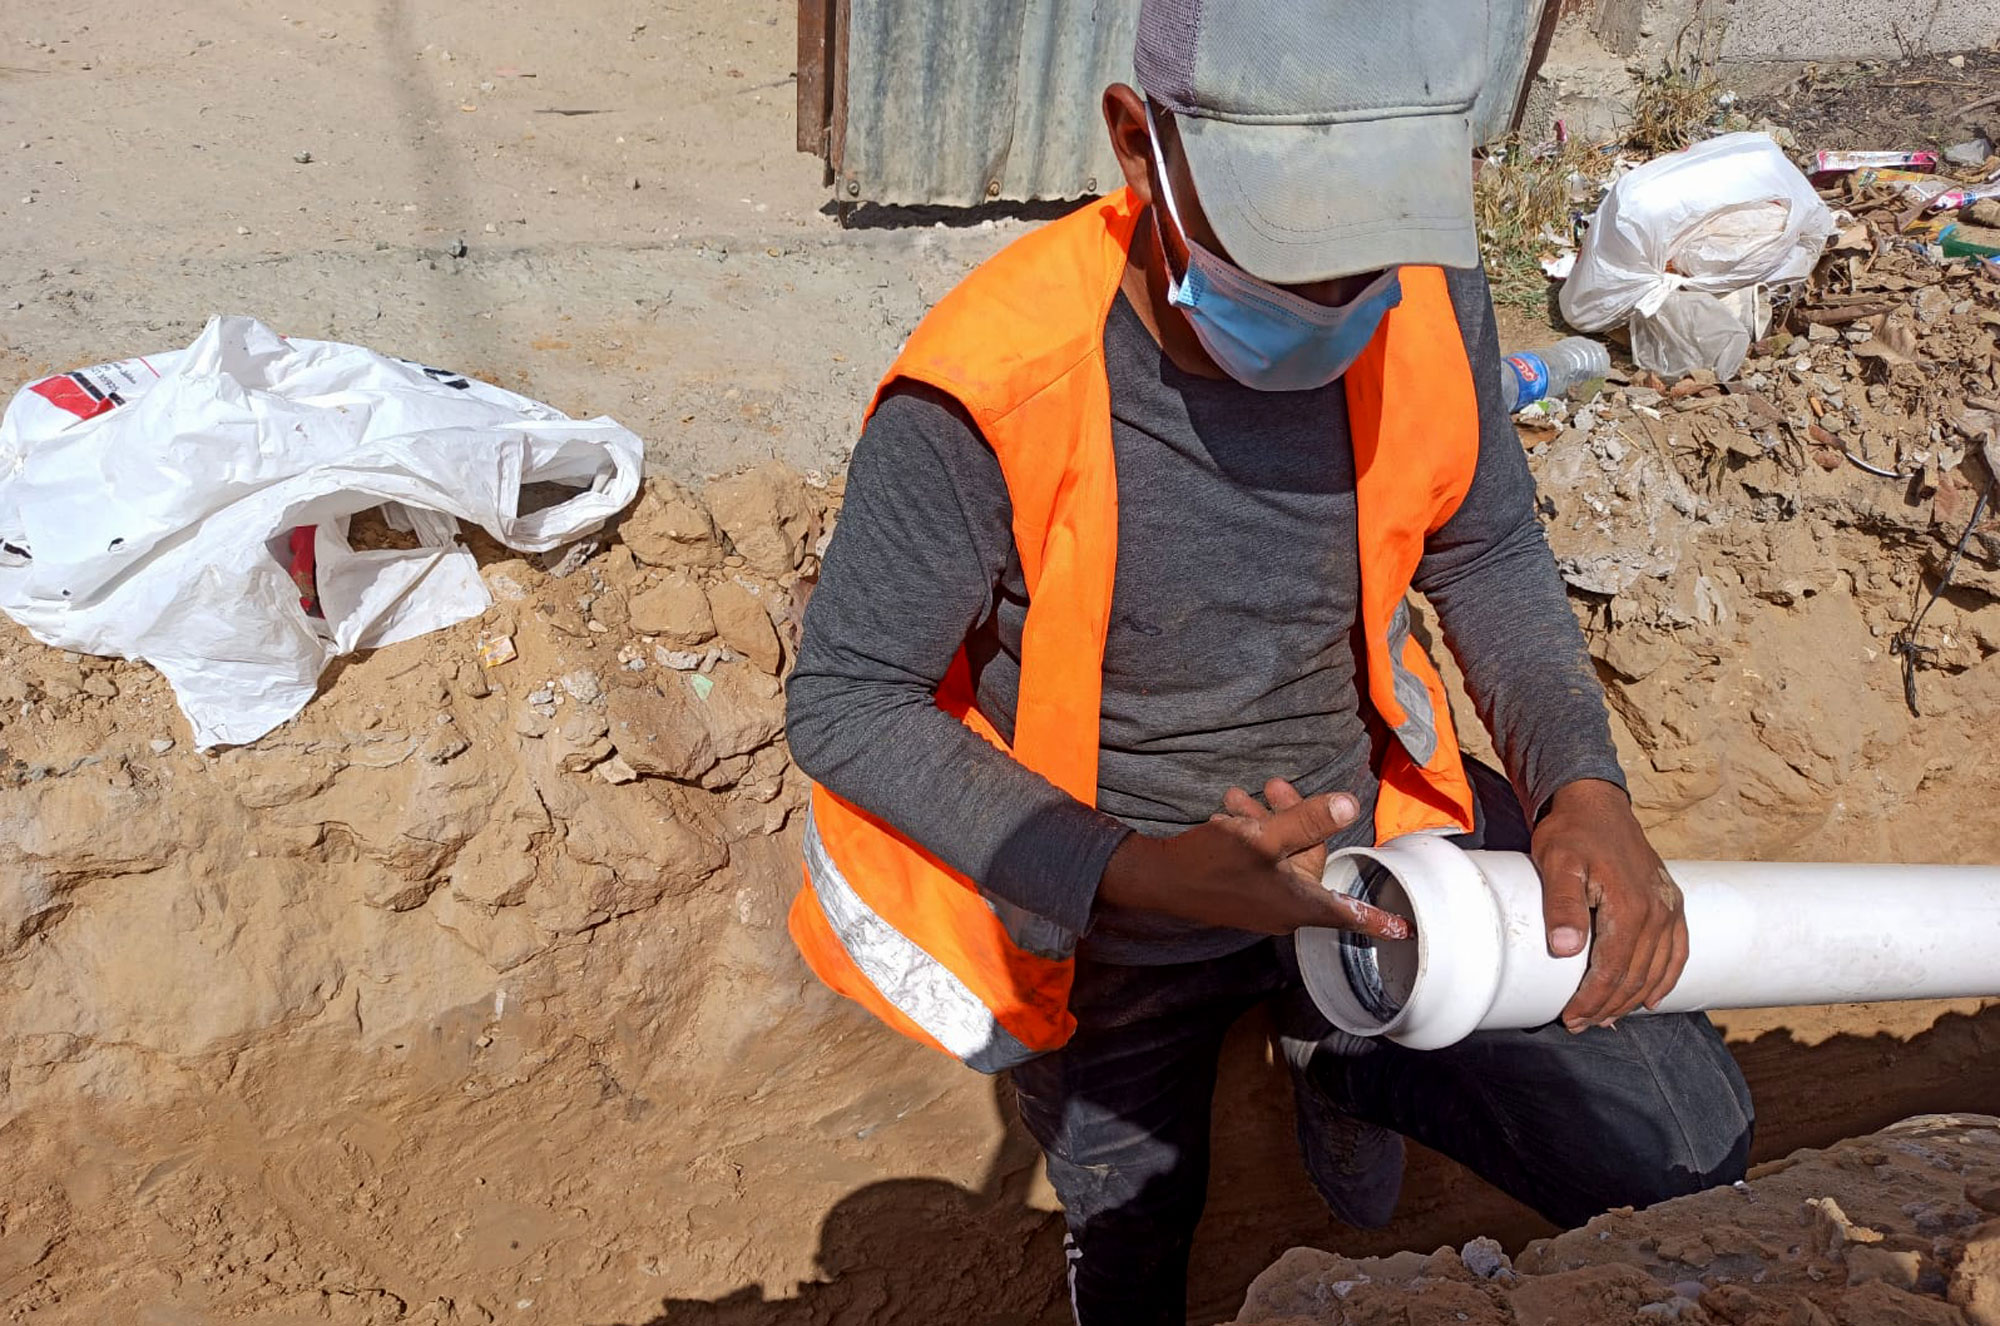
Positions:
(1251, 867)
(1594, 859)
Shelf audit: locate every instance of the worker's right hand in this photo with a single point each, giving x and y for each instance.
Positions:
(1248, 868)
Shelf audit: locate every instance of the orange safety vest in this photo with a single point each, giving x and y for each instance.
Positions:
(1020, 344)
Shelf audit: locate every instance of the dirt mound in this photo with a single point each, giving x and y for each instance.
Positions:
(1899, 1227)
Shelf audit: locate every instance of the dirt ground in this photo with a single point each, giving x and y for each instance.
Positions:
(409, 1013)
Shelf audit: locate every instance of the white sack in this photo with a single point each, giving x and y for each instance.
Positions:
(144, 506)
(1693, 330)
(1723, 214)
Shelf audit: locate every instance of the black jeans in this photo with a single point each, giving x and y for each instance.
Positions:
(1572, 1125)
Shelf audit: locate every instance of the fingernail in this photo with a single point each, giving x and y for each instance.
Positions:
(1342, 805)
(1574, 1025)
(1566, 941)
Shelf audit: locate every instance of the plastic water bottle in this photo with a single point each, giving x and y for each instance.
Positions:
(1533, 375)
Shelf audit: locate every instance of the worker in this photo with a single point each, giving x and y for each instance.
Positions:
(1113, 642)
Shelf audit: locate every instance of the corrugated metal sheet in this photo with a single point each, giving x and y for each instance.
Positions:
(969, 101)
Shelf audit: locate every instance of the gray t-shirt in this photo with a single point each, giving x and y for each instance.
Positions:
(1234, 654)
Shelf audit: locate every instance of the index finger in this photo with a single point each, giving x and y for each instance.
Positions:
(1308, 824)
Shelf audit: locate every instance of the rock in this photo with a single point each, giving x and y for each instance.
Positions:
(663, 726)
(768, 513)
(1485, 1258)
(444, 747)
(676, 610)
(1829, 1229)
(615, 771)
(1589, 1292)
(744, 626)
(1901, 1268)
(667, 527)
(1975, 1282)
(160, 745)
(583, 686)
(1878, 1304)
(1970, 153)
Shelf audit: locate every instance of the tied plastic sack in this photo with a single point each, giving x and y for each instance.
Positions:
(156, 509)
(1722, 215)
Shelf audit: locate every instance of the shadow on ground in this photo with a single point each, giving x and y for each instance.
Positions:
(883, 1246)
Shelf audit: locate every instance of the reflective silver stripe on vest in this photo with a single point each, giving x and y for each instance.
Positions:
(924, 989)
(1031, 933)
(1418, 730)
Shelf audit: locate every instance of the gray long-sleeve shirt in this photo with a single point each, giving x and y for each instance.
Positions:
(1234, 654)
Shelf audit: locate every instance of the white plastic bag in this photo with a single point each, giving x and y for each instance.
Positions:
(1726, 213)
(1693, 330)
(142, 504)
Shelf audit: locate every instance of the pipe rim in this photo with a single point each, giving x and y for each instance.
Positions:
(1460, 948)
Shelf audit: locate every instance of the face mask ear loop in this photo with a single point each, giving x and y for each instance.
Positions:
(1166, 189)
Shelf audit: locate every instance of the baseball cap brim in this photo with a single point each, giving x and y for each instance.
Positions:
(1295, 203)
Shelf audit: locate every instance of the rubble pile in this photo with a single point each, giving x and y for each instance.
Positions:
(1913, 1239)
(1815, 500)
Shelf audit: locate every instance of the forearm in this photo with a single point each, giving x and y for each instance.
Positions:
(1509, 624)
(895, 754)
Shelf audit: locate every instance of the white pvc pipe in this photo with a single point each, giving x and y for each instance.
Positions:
(1760, 935)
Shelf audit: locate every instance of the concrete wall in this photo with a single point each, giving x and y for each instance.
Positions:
(1801, 29)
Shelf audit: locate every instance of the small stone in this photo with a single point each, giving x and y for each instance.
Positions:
(743, 624)
(615, 771)
(632, 183)
(242, 230)
(492, 229)
(583, 686)
(542, 695)
(457, 249)
(676, 610)
(1972, 152)
(1956, 62)
(100, 686)
(303, 158)
(160, 745)
(1822, 333)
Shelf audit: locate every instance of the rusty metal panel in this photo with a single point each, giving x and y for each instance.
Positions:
(970, 103)
(964, 103)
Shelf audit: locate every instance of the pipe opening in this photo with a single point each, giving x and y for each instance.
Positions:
(1381, 973)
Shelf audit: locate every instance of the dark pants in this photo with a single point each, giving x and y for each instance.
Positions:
(1572, 1125)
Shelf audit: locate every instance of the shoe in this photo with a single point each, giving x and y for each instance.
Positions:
(1356, 1166)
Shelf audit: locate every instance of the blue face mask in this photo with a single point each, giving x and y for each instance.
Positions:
(1265, 337)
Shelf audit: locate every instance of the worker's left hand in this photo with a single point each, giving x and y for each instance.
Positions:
(1601, 880)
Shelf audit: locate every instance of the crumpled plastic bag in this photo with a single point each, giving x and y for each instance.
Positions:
(146, 507)
(1724, 214)
(1693, 330)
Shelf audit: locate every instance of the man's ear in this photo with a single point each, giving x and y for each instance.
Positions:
(1131, 140)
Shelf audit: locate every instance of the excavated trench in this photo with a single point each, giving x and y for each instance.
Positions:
(466, 996)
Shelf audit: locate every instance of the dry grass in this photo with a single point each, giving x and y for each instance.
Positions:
(1518, 199)
(1677, 104)
(1672, 110)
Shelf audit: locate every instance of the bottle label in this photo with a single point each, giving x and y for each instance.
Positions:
(1533, 376)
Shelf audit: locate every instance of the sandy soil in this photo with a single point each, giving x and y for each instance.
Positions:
(294, 1036)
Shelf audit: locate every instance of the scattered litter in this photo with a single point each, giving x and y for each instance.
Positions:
(1829, 166)
(1723, 215)
(147, 508)
(493, 650)
(702, 684)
